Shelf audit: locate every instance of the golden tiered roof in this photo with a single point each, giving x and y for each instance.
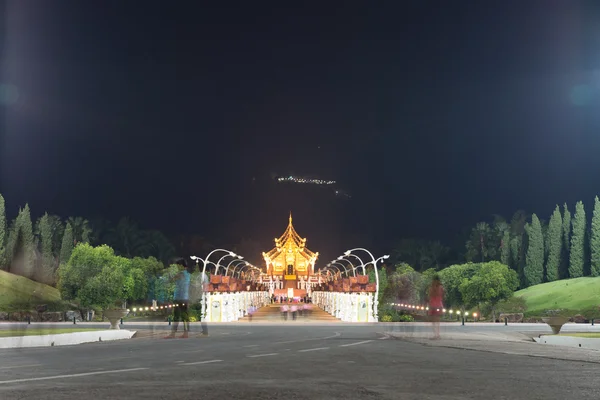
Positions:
(290, 249)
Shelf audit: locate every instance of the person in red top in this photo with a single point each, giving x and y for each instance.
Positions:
(436, 305)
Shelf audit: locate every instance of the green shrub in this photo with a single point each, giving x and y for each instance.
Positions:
(406, 318)
(515, 304)
(387, 318)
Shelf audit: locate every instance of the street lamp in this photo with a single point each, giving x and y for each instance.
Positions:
(231, 263)
(334, 263)
(205, 261)
(362, 263)
(245, 264)
(351, 265)
(373, 261)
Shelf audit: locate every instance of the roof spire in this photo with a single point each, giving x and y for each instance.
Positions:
(290, 217)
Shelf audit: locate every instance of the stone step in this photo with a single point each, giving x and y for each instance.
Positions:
(272, 312)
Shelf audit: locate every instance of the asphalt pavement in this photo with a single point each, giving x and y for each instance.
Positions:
(301, 361)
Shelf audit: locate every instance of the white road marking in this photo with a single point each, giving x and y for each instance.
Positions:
(179, 362)
(315, 349)
(203, 362)
(22, 366)
(263, 355)
(45, 378)
(307, 340)
(355, 344)
(251, 345)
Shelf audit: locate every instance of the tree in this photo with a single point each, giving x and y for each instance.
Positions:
(21, 250)
(515, 252)
(3, 234)
(81, 230)
(577, 258)
(595, 240)
(452, 277)
(383, 281)
(405, 284)
(67, 244)
(503, 232)
(57, 229)
(481, 244)
(127, 239)
(554, 245)
(491, 283)
(482, 229)
(45, 272)
(96, 277)
(534, 259)
(566, 248)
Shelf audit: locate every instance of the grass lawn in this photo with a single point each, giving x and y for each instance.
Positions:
(15, 289)
(579, 294)
(42, 331)
(589, 335)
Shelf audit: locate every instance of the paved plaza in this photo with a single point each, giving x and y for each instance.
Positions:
(302, 360)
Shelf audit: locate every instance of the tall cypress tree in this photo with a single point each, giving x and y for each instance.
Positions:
(505, 250)
(554, 245)
(3, 234)
(21, 250)
(534, 260)
(577, 257)
(67, 244)
(46, 272)
(595, 240)
(566, 247)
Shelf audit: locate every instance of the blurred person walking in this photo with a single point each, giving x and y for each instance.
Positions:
(181, 299)
(436, 305)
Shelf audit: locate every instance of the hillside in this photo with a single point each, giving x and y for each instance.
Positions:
(579, 294)
(15, 289)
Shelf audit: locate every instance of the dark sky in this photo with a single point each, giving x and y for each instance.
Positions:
(433, 114)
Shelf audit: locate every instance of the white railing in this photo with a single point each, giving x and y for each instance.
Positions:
(230, 307)
(349, 307)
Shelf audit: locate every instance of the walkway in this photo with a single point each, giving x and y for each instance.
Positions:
(272, 313)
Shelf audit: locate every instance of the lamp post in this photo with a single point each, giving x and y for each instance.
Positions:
(362, 263)
(349, 262)
(240, 270)
(249, 266)
(205, 261)
(330, 266)
(374, 262)
(235, 266)
(335, 264)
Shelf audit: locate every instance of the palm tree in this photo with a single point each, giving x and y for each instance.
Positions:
(127, 239)
(81, 230)
(158, 246)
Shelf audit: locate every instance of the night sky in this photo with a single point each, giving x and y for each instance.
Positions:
(433, 115)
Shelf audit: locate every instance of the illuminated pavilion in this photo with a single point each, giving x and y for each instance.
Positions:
(290, 264)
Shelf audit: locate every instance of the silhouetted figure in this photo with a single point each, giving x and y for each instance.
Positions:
(181, 300)
(436, 305)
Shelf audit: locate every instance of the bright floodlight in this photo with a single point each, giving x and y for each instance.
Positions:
(340, 258)
(347, 253)
(240, 257)
(232, 254)
(194, 258)
(386, 256)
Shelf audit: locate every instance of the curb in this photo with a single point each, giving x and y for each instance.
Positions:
(569, 341)
(64, 339)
